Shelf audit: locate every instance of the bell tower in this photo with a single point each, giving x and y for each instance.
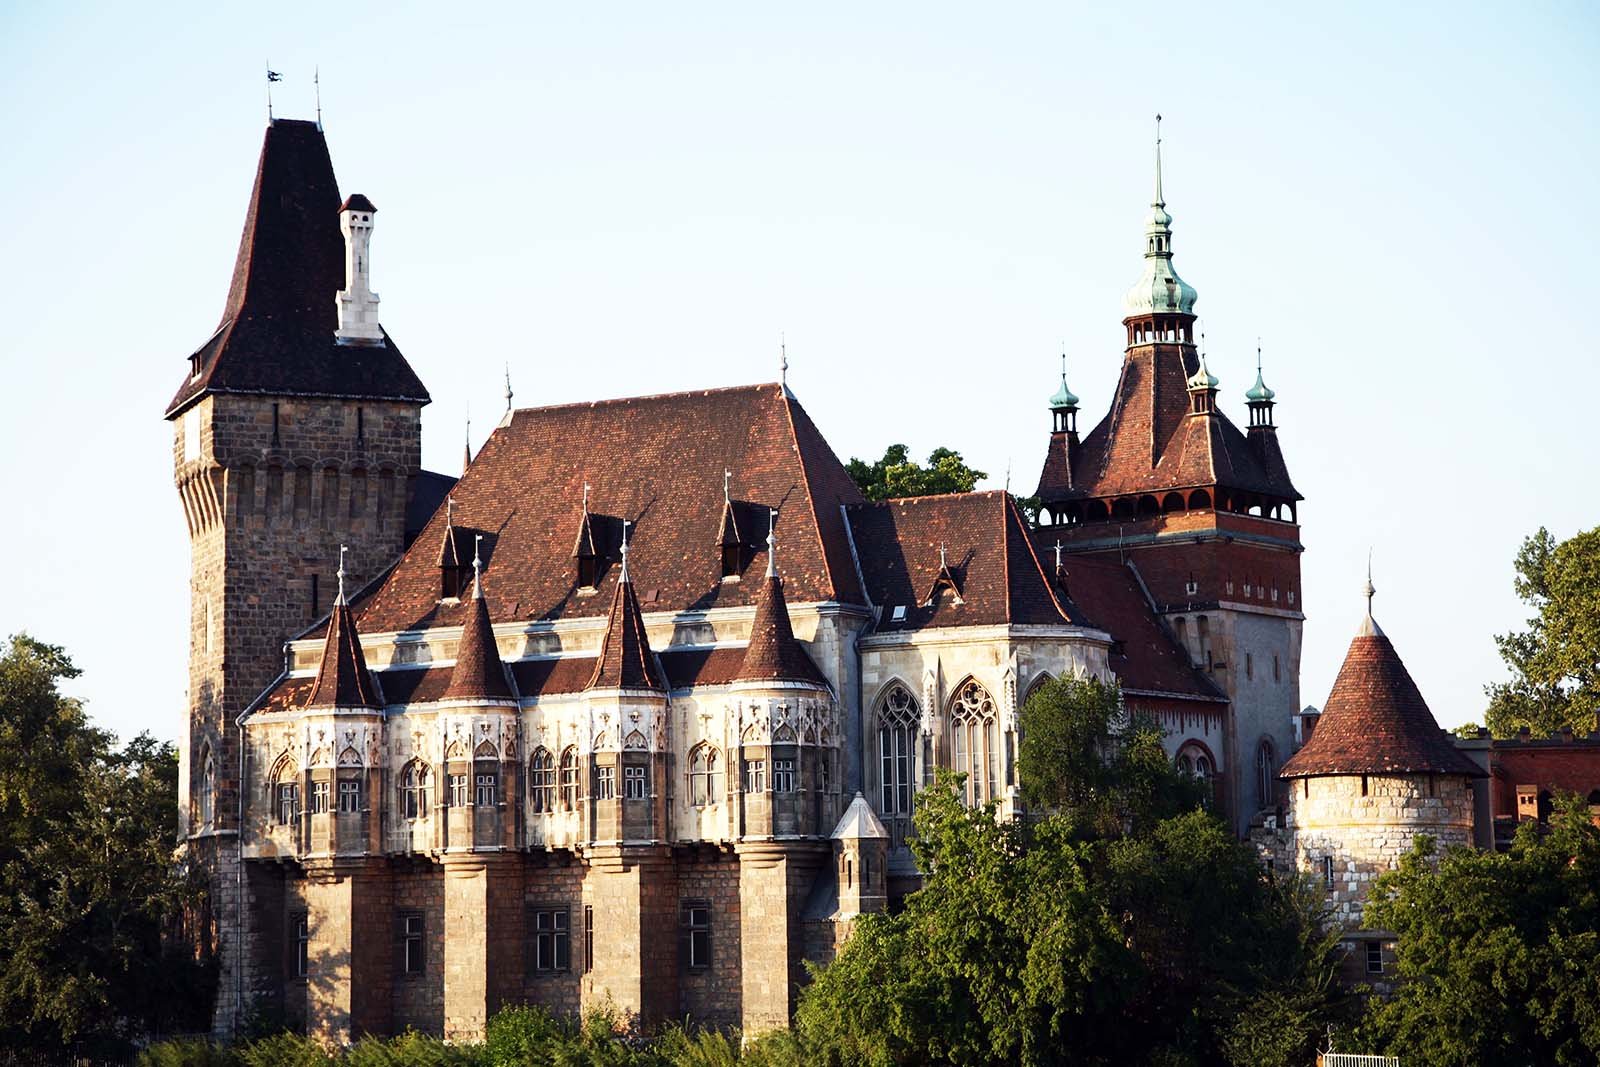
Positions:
(288, 440)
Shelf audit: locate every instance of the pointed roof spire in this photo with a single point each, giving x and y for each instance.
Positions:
(1063, 397)
(479, 673)
(1159, 201)
(1375, 720)
(1259, 393)
(625, 660)
(1202, 379)
(773, 654)
(343, 680)
(1369, 625)
(1159, 290)
(783, 362)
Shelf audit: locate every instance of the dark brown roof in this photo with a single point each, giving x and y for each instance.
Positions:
(478, 673)
(1144, 656)
(658, 462)
(343, 679)
(690, 667)
(988, 556)
(625, 660)
(1375, 721)
(357, 202)
(773, 655)
(276, 336)
(1149, 442)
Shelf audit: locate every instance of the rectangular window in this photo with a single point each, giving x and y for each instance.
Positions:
(755, 775)
(349, 795)
(588, 938)
(550, 941)
(319, 797)
(1327, 872)
(302, 945)
(458, 790)
(694, 928)
(411, 943)
(485, 791)
(1374, 957)
(634, 783)
(605, 783)
(783, 775)
(288, 802)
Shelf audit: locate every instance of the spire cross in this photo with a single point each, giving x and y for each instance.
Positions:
(477, 568)
(342, 550)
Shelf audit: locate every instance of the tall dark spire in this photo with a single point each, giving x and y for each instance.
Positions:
(479, 673)
(343, 680)
(625, 660)
(773, 654)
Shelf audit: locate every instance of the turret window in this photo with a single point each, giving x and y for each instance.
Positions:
(458, 790)
(605, 783)
(542, 781)
(705, 776)
(288, 802)
(349, 796)
(755, 776)
(783, 775)
(635, 782)
(321, 793)
(486, 789)
(414, 791)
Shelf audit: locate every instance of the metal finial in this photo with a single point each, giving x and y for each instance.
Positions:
(783, 360)
(1063, 363)
(316, 80)
(727, 480)
(1258, 357)
(1058, 554)
(449, 511)
(1159, 201)
(1369, 591)
(508, 387)
(342, 550)
(586, 498)
(624, 576)
(772, 542)
(272, 76)
(477, 568)
(942, 563)
(466, 447)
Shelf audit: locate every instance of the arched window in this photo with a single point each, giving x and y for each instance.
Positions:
(542, 780)
(414, 790)
(569, 779)
(285, 791)
(1266, 773)
(705, 775)
(974, 749)
(206, 793)
(1194, 761)
(898, 716)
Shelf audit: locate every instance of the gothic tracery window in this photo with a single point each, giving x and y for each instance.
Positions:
(898, 719)
(974, 748)
(207, 792)
(569, 779)
(542, 781)
(705, 776)
(414, 791)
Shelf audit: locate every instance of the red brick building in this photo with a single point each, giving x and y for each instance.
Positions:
(635, 710)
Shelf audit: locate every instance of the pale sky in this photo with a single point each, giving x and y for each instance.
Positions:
(927, 199)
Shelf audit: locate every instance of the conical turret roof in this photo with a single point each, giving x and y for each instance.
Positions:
(1375, 720)
(625, 660)
(343, 679)
(479, 673)
(773, 654)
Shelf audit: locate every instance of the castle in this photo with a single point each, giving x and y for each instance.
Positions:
(635, 709)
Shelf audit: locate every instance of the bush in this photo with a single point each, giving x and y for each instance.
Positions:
(187, 1052)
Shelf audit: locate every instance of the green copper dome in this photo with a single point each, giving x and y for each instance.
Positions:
(1259, 391)
(1063, 397)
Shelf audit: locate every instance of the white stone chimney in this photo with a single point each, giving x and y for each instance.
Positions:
(358, 304)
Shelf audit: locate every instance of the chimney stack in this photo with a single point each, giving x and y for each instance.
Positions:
(358, 304)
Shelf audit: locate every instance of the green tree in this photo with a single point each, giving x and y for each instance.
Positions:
(1498, 954)
(88, 886)
(1555, 662)
(897, 475)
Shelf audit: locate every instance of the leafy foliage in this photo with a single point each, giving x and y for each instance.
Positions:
(1120, 923)
(898, 475)
(1498, 953)
(1555, 662)
(88, 887)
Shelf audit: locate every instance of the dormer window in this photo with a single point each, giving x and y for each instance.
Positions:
(588, 570)
(730, 561)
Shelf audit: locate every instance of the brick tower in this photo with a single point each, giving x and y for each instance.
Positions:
(297, 429)
(1203, 513)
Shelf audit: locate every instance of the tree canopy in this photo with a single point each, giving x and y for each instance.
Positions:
(1498, 954)
(898, 475)
(88, 886)
(1119, 923)
(1555, 662)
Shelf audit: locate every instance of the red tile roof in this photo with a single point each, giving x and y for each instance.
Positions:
(478, 673)
(773, 655)
(690, 667)
(989, 558)
(1149, 442)
(1376, 722)
(658, 462)
(343, 679)
(277, 331)
(625, 660)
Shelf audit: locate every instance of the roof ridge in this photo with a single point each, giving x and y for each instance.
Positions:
(672, 395)
(790, 402)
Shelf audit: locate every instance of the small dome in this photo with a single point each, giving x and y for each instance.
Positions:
(1063, 397)
(1158, 219)
(1202, 377)
(1160, 290)
(1259, 391)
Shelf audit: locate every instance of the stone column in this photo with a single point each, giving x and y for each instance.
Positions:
(350, 952)
(633, 891)
(483, 937)
(774, 879)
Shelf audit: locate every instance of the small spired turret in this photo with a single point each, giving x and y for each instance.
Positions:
(1203, 386)
(1159, 290)
(479, 676)
(343, 680)
(861, 858)
(1064, 406)
(1260, 399)
(358, 304)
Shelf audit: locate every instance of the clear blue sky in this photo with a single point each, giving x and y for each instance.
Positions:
(928, 200)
